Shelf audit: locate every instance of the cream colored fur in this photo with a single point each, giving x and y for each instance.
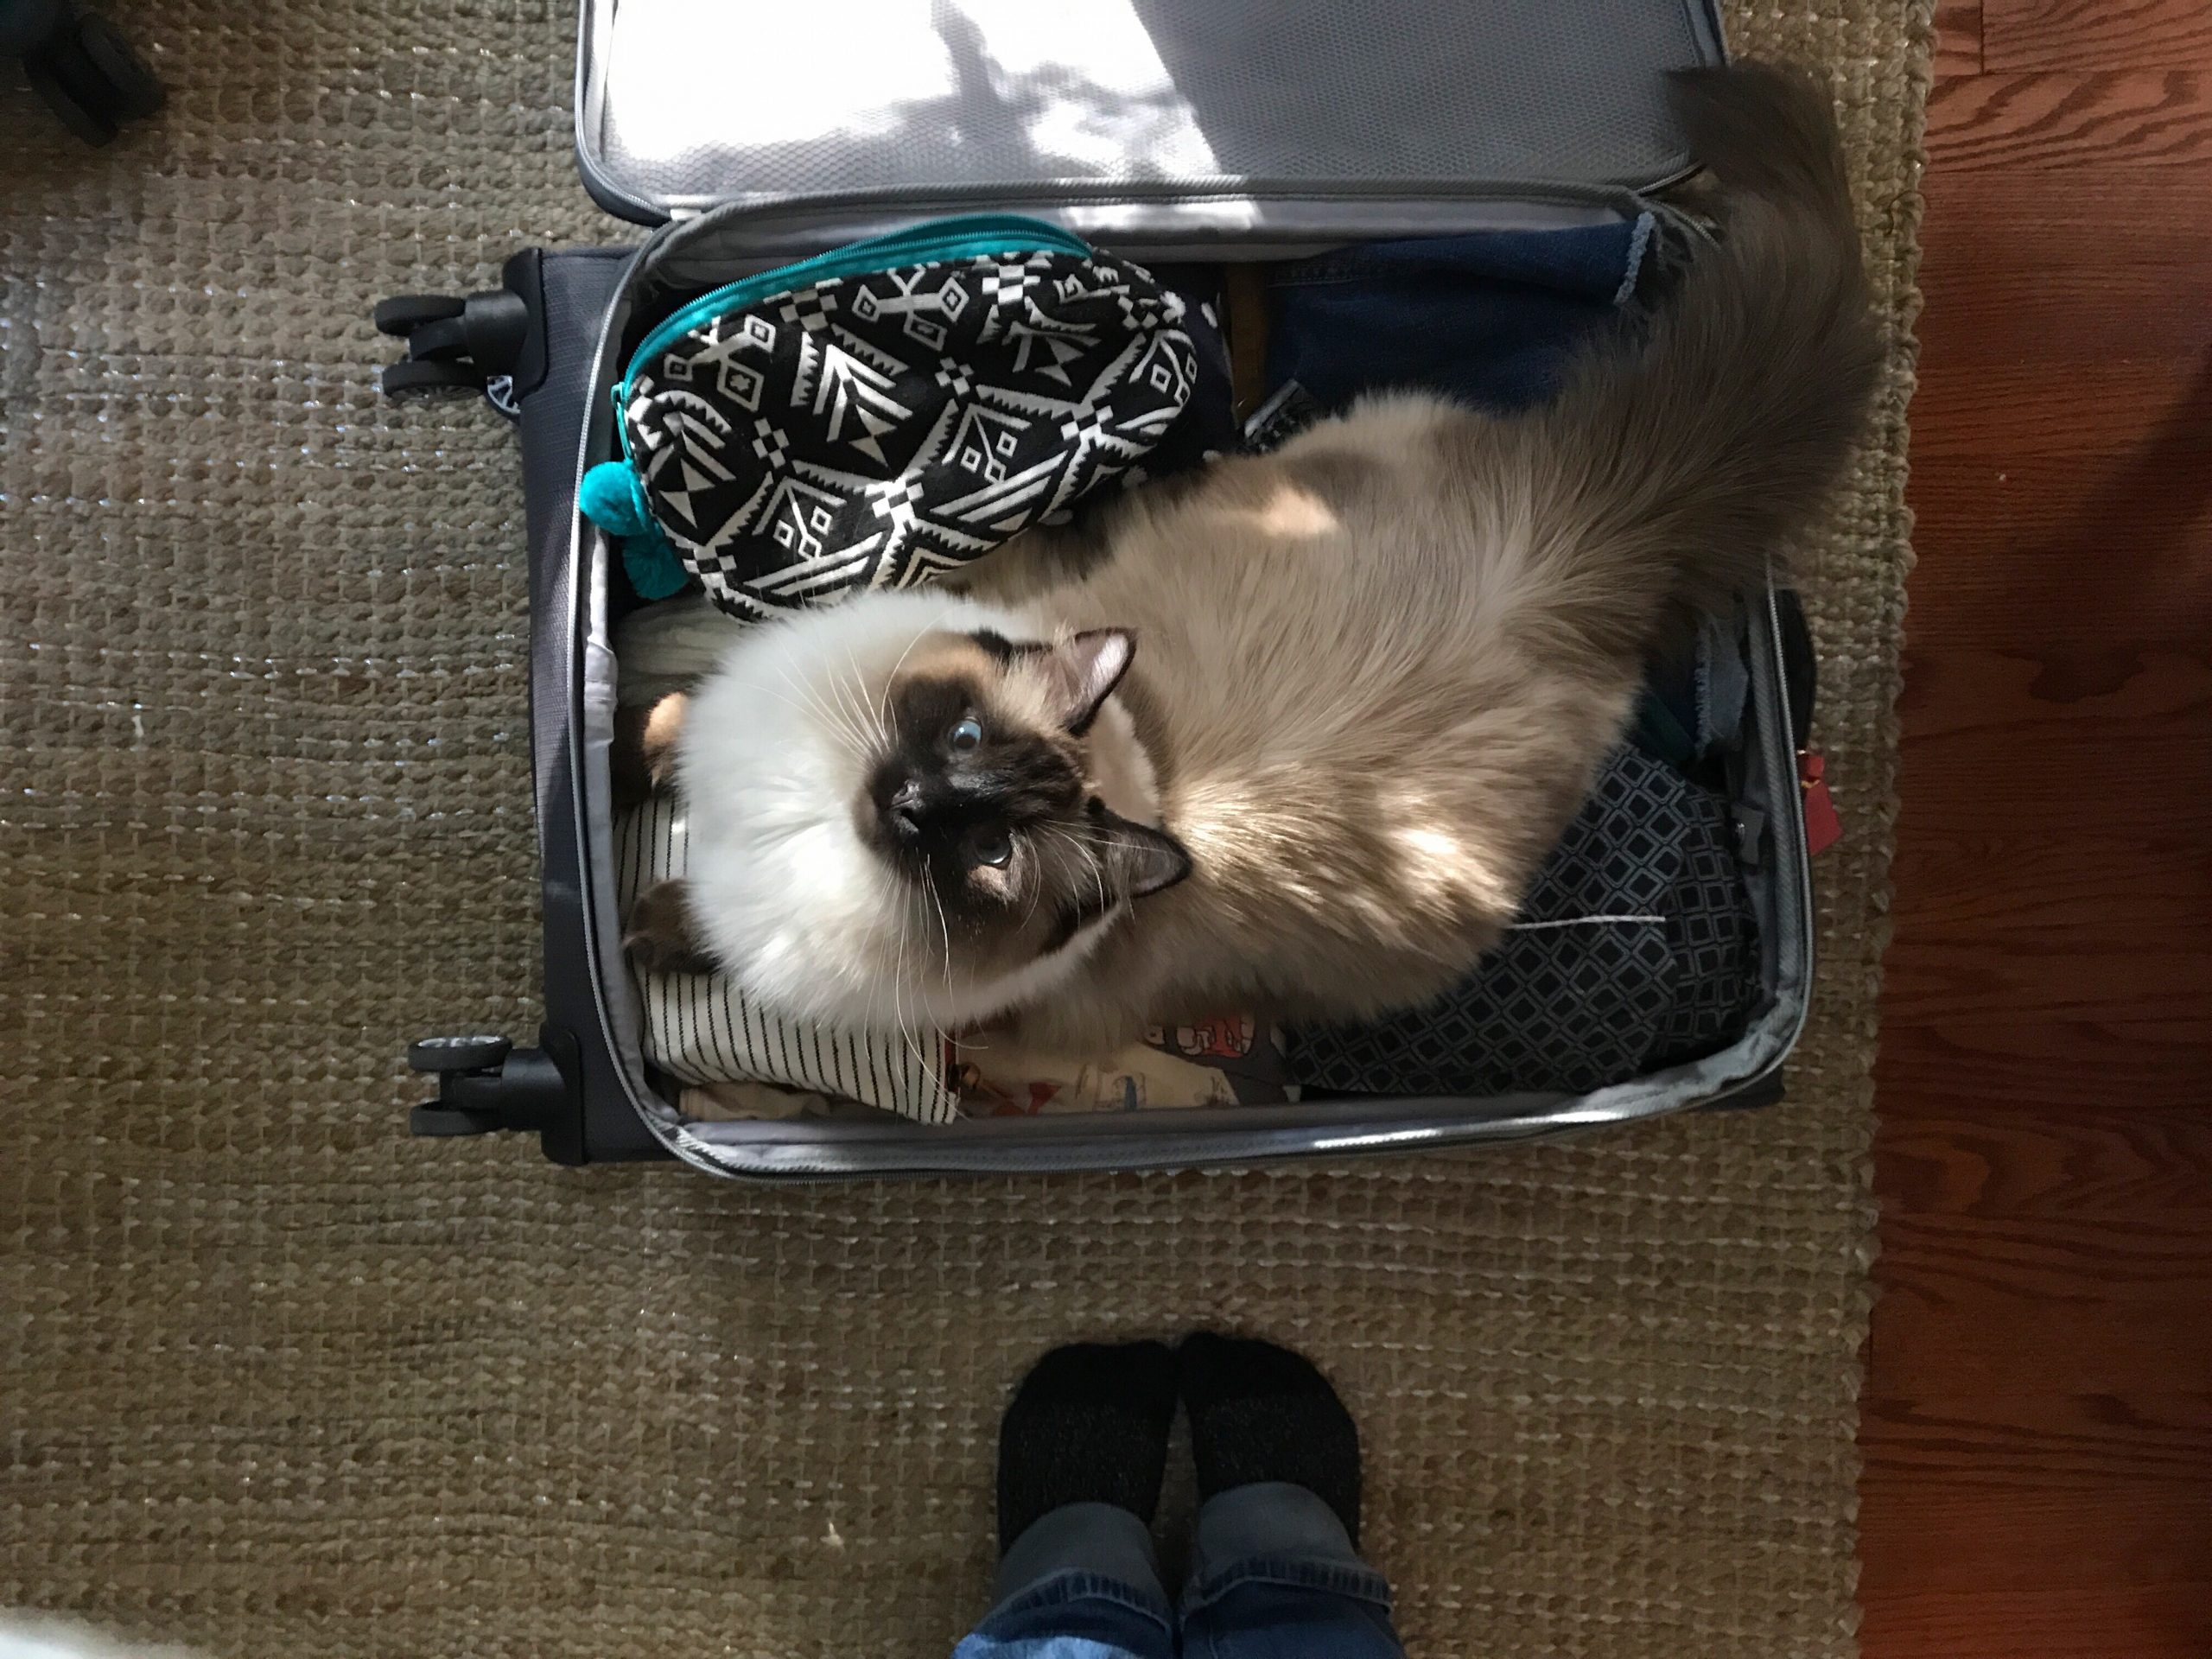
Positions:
(784, 892)
(1375, 672)
(1349, 682)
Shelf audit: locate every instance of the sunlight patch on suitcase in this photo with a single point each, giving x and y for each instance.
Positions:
(990, 77)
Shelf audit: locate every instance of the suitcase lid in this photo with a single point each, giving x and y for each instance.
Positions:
(1229, 128)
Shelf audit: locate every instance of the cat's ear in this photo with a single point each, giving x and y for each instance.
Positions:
(1139, 858)
(659, 934)
(1081, 673)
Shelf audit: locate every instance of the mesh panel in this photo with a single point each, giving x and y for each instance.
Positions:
(708, 99)
(1635, 948)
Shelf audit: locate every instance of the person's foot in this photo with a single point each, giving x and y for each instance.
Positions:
(1260, 1413)
(1089, 1425)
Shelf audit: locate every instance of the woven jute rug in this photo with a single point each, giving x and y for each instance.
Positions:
(275, 1380)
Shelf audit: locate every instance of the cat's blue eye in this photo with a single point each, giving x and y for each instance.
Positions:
(993, 847)
(966, 736)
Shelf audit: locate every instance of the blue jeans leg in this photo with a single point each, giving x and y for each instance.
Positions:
(1081, 1583)
(1274, 1576)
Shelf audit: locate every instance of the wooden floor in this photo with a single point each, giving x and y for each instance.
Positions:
(2037, 1423)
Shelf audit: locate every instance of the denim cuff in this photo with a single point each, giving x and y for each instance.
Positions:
(1070, 1586)
(1079, 1549)
(1272, 1532)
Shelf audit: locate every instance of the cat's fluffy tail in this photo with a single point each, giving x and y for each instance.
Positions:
(1705, 438)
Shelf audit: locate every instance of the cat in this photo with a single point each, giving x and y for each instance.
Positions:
(1292, 732)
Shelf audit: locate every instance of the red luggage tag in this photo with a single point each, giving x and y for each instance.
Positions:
(1823, 828)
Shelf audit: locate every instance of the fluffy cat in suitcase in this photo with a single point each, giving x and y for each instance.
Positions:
(1292, 732)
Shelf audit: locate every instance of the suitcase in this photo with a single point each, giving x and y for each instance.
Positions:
(1204, 131)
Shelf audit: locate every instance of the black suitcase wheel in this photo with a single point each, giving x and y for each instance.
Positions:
(134, 90)
(430, 376)
(434, 1123)
(403, 313)
(477, 1053)
(90, 77)
(485, 1084)
(457, 342)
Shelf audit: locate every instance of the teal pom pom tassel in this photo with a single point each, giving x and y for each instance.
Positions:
(612, 498)
(651, 565)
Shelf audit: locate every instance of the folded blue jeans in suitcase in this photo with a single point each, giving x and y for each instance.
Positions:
(1486, 319)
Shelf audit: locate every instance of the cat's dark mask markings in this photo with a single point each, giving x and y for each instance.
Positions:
(982, 793)
(981, 841)
(958, 771)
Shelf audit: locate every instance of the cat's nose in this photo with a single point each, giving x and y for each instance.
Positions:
(902, 813)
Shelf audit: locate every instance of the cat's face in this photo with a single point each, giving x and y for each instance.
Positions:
(897, 811)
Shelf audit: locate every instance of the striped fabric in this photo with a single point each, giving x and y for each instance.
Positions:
(700, 1030)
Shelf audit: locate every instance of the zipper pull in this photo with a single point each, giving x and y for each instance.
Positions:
(1823, 826)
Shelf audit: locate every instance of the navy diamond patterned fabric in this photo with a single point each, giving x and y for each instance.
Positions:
(1636, 947)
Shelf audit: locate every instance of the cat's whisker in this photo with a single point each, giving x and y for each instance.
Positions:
(921, 1022)
(1097, 878)
(837, 717)
(879, 709)
(945, 926)
(809, 710)
(907, 1038)
(1090, 857)
(890, 680)
(1086, 844)
(1036, 898)
(805, 702)
(833, 687)
(858, 702)
(855, 742)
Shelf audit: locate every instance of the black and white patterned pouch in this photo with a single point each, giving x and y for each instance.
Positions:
(881, 415)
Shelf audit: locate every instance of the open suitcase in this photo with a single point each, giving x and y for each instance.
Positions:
(1217, 130)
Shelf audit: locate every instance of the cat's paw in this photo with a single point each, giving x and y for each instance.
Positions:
(659, 937)
(641, 760)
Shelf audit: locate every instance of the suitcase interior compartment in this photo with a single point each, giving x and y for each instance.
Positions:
(671, 268)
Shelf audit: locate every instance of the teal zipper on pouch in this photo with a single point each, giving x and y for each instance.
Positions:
(975, 236)
(612, 495)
